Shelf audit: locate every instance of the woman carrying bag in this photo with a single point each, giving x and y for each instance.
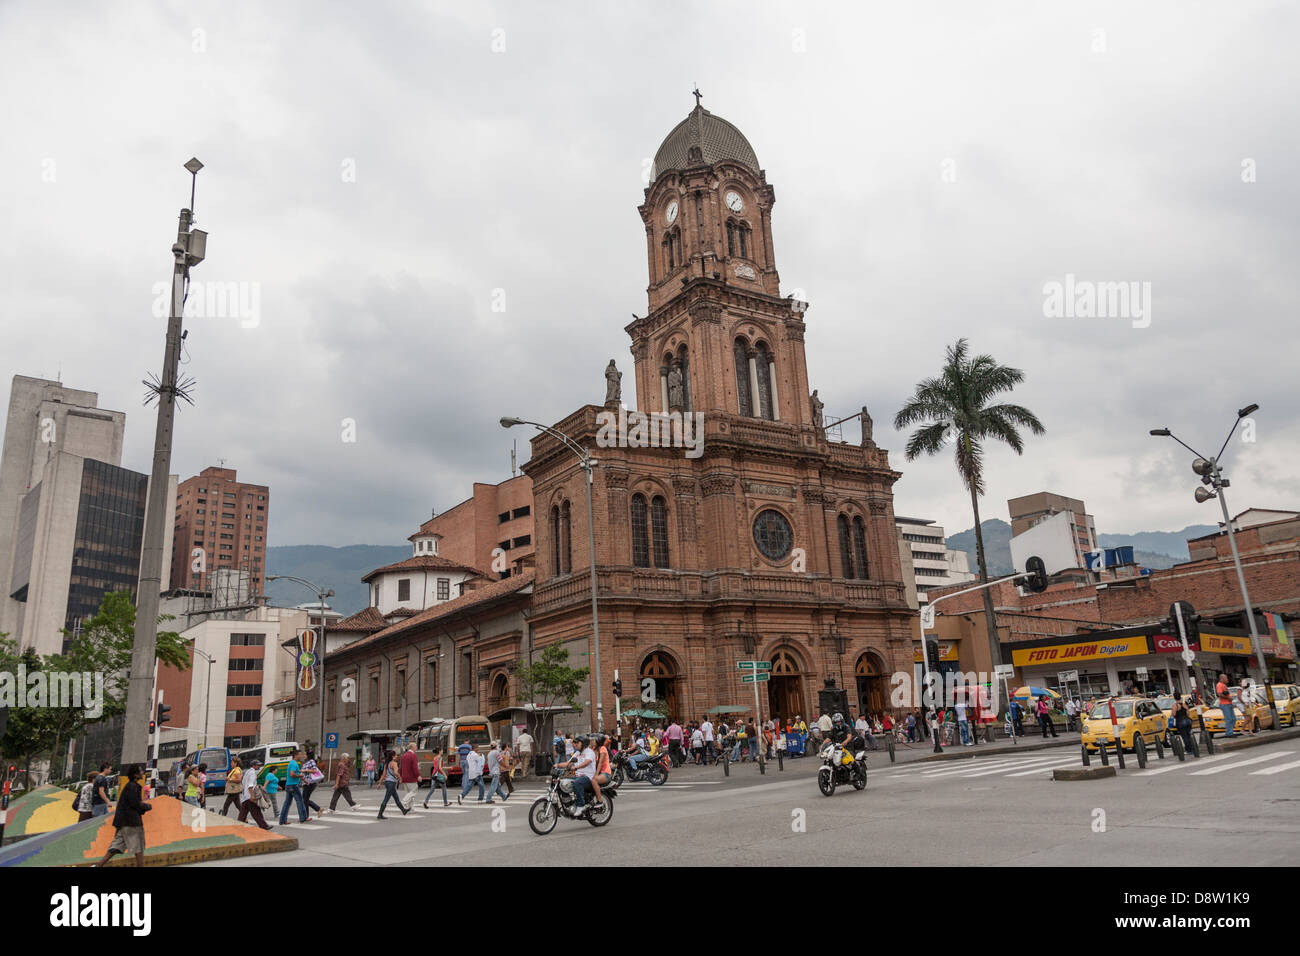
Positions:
(438, 779)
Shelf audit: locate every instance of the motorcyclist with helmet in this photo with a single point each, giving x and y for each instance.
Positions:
(842, 734)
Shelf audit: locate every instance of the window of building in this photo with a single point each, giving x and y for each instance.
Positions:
(745, 401)
(444, 589)
(200, 511)
(762, 361)
(521, 541)
(640, 542)
(374, 690)
(860, 547)
(659, 531)
(404, 589)
(566, 543)
(247, 640)
(503, 517)
(399, 684)
(523, 512)
(466, 671)
(431, 678)
(846, 549)
(243, 690)
(504, 545)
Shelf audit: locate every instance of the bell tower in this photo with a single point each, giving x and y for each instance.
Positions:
(718, 338)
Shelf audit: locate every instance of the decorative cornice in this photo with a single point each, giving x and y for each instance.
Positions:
(719, 484)
(705, 312)
(616, 479)
(684, 485)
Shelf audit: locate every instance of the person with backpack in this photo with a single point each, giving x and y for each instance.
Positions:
(251, 796)
(271, 787)
(100, 800)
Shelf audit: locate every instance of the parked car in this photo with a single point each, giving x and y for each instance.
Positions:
(1134, 716)
(1254, 716)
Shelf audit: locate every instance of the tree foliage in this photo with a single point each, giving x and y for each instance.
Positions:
(549, 679)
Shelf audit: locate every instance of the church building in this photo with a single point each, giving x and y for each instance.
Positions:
(763, 542)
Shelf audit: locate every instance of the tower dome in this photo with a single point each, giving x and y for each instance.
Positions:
(716, 139)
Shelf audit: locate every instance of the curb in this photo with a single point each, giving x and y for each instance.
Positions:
(204, 855)
(1083, 773)
(952, 754)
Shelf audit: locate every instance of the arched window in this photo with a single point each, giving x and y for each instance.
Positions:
(731, 238)
(659, 530)
(761, 362)
(860, 546)
(742, 377)
(846, 552)
(640, 542)
(743, 235)
(677, 243)
(556, 563)
(668, 253)
(566, 545)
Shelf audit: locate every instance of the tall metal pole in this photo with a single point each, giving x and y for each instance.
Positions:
(140, 687)
(595, 614)
(320, 683)
(1241, 580)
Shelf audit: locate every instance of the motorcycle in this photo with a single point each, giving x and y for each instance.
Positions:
(835, 771)
(652, 769)
(546, 811)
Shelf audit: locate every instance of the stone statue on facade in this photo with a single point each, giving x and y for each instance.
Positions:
(817, 406)
(613, 384)
(866, 427)
(676, 393)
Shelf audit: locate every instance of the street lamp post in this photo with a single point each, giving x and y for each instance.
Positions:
(207, 697)
(588, 463)
(322, 594)
(1211, 473)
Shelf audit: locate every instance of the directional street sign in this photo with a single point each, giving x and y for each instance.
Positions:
(763, 665)
(1001, 671)
(755, 678)
(745, 665)
(754, 665)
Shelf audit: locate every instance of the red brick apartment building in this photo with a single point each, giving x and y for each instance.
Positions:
(224, 518)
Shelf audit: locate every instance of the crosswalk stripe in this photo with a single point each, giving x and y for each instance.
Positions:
(1240, 763)
(1180, 766)
(1278, 769)
(1026, 773)
(1007, 771)
(982, 767)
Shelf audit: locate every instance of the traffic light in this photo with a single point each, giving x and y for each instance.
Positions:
(1035, 574)
(164, 712)
(932, 654)
(153, 726)
(1191, 621)
(618, 688)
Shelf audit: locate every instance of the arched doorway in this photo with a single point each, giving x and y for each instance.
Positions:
(873, 684)
(661, 667)
(499, 698)
(785, 698)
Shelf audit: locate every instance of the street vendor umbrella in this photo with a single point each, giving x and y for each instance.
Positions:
(728, 709)
(1035, 692)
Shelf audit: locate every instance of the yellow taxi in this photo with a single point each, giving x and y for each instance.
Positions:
(1133, 716)
(1286, 697)
(1253, 717)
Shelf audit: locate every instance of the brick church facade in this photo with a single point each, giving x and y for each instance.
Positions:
(769, 542)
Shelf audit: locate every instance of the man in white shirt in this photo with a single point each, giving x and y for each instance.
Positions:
(247, 804)
(584, 766)
(824, 724)
(707, 729)
(963, 724)
(525, 742)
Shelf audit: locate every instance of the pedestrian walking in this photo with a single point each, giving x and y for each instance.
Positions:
(963, 725)
(293, 789)
(129, 819)
(271, 787)
(1045, 716)
(193, 786)
(392, 780)
(494, 773)
(1183, 724)
(370, 771)
(234, 786)
(202, 773)
(438, 778)
(526, 744)
(311, 779)
(251, 795)
(471, 774)
(409, 767)
(342, 784)
(706, 727)
(100, 801)
(86, 797)
(507, 768)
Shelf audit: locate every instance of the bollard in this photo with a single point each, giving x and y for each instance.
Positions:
(1196, 750)
(1105, 754)
(1087, 762)
(780, 760)
(1208, 740)
(890, 743)
(1140, 751)
(726, 764)
(1119, 754)
(1178, 748)
(1160, 749)
(762, 765)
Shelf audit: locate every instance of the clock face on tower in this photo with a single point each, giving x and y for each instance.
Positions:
(734, 202)
(671, 215)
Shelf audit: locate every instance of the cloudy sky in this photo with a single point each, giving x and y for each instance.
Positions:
(381, 178)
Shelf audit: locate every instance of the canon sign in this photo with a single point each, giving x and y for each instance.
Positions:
(1164, 644)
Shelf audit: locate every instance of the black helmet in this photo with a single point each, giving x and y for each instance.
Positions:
(837, 719)
(583, 740)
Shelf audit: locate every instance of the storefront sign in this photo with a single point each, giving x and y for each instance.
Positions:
(1083, 651)
(1223, 644)
(947, 651)
(1164, 644)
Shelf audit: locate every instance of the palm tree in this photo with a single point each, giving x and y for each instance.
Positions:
(956, 411)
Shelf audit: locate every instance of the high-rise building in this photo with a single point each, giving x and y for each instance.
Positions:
(934, 564)
(71, 518)
(1031, 510)
(221, 524)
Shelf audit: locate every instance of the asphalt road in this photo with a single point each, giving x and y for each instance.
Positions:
(993, 808)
